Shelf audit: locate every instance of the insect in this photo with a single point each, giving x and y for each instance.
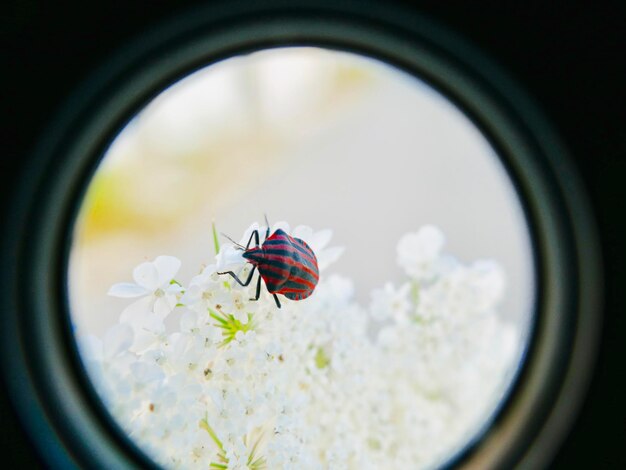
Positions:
(286, 264)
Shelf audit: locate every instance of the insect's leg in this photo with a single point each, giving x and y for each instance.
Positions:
(254, 234)
(267, 234)
(239, 281)
(258, 290)
(277, 301)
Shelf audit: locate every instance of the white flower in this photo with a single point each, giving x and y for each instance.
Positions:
(144, 372)
(154, 281)
(116, 341)
(418, 252)
(391, 303)
(489, 280)
(317, 241)
(245, 339)
(206, 290)
(158, 292)
(229, 258)
(103, 357)
(316, 384)
(241, 307)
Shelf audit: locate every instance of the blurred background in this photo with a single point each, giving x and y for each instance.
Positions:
(307, 135)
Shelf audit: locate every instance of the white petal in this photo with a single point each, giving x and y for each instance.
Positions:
(198, 280)
(424, 245)
(164, 305)
(174, 289)
(224, 300)
(320, 239)
(167, 267)
(146, 372)
(432, 239)
(191, 295)
(188, 320)
(116, 340)
(418, 253)
(209, 270)
(207, 277)
(216, 396)
(127, 290)
(489, 278)
(241, 315)
(388, 337)
(90, 347)
(303, 232)
(147, 276)
(137, 311)
(154, 323)
(144, 339)
(248, 233)
(229, 258)
(341, 289)
(329, 256)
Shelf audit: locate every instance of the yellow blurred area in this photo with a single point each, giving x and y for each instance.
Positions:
(143, 188)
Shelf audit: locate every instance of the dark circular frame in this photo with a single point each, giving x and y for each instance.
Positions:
(54, 399)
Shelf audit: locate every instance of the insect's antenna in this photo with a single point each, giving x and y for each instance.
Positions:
(267, 234)
(239, 246)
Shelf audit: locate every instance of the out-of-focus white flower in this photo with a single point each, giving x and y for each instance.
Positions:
(418, 252)
(117, 340)
(318, 241)
(490, 280)
(390, 303)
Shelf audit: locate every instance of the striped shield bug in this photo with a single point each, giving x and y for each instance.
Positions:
(286, 264)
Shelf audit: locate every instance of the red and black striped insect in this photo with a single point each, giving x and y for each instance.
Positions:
(286, 264)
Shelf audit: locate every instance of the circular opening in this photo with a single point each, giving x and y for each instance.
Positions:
(403, 350)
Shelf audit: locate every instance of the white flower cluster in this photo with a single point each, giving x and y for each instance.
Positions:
(202, 377)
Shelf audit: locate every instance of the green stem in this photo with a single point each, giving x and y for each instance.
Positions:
(258, 464)
(253, 451)
(216, 241)
(415, 293)
(204, 424)
(217, 317)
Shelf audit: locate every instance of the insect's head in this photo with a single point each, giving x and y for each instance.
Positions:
(254, 255)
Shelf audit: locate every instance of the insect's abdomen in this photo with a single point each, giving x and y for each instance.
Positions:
(289, 266)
